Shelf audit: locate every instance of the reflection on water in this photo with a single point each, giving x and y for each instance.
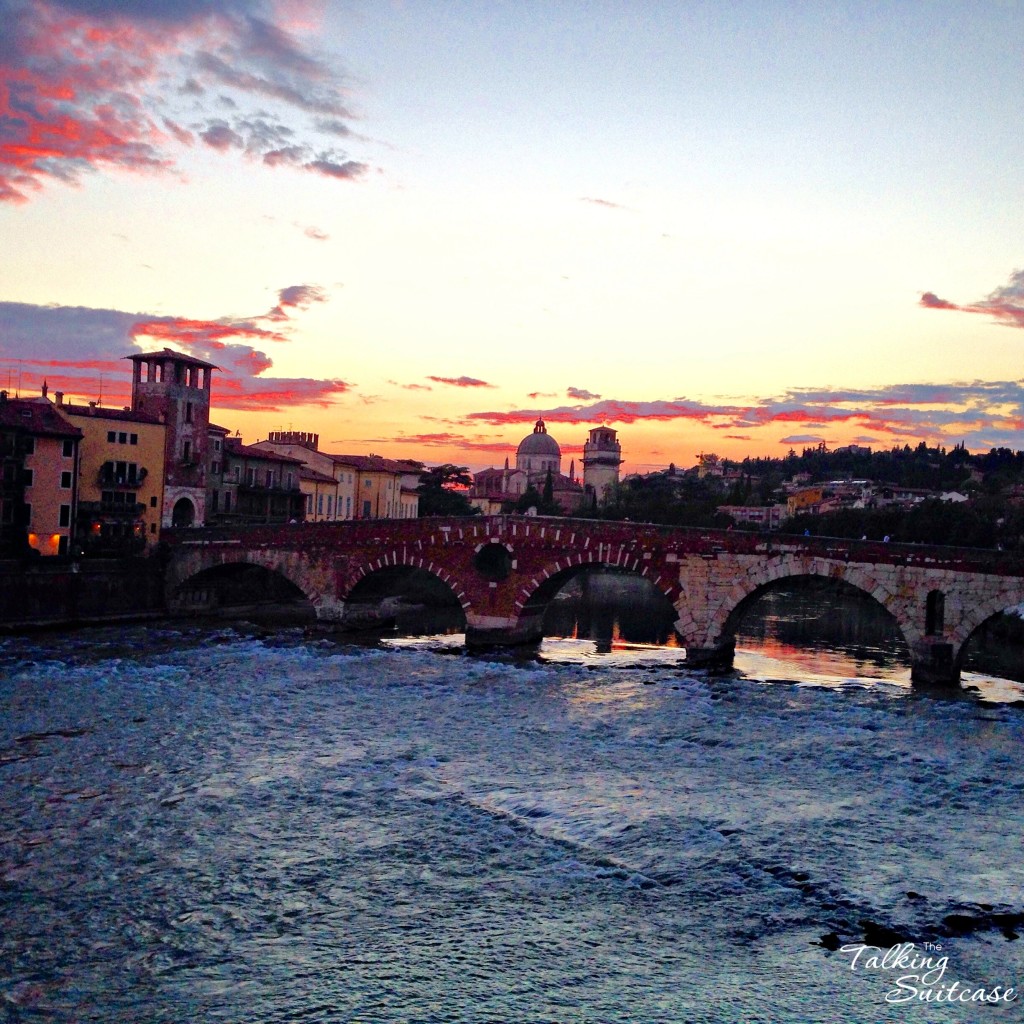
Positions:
(807, 631)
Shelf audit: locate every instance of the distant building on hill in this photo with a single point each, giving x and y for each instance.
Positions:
(538, 458)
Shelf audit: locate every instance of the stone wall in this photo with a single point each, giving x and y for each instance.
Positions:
(47, 592)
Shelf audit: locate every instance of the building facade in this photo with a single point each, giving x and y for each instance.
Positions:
(38, 477)
(254, 486)
(366, 486)
(121, 478)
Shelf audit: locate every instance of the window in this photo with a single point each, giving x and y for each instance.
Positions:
(348, 508)
(367, 483)
(152, 501)
(122, 438)
(28, 476)
(111, 436)
(152, 527)
(309, 504)
(330, 503)
(65, 479)
(320, 505)
(215, 468)
(366, 510)
(188, 412)
(30, 445)
(133, 438)
(270, 478)
(186, 451)
(65, 515)
(69, 449)
(227, 501)
(215, 496)
(216, 446)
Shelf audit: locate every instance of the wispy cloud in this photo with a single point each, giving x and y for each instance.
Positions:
(296, 297)
(462, 382)
(445, 439)
(580, 394)
(101, 85)
(606, 203)
(986, 412)
(1005, 305)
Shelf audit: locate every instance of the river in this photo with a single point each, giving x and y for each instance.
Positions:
(206, 822)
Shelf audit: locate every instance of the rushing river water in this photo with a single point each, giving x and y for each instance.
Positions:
(230, 824)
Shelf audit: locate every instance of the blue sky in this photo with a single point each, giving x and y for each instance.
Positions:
(414, 227)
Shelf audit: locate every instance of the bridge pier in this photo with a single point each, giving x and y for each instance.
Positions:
(503, 631)
(717, 658)
(933, 664)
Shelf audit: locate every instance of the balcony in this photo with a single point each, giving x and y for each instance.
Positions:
(107, 509)
(111, 476)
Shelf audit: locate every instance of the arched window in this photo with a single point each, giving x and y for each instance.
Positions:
(184, 513)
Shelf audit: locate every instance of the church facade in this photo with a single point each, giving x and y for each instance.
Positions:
(538, 460)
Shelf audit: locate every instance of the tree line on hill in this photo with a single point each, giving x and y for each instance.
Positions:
(993, 516)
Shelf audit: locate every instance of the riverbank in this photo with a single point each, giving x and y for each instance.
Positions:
(48, 592)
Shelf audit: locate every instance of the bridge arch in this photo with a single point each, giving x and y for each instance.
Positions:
(236, 581)
(837, 584)
(393, 563)
(535, 594)
(760, 579)
(974, 618)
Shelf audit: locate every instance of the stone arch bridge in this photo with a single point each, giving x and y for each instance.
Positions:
(505, 569)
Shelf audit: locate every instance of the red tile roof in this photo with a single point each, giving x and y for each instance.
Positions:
(36, 416)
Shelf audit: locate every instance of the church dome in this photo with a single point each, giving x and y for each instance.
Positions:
(540, 442)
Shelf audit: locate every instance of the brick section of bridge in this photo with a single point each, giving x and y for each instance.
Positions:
(504, 569)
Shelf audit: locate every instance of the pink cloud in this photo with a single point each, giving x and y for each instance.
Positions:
(81, 351)
(1005, 304)
(98, 86)
(462, 382)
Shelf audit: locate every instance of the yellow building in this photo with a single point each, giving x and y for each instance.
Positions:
(384, 488)
(121, 478)
(328, 487)
(802, 499)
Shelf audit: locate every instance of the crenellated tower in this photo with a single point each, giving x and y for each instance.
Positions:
(602, 456)
(175, 388)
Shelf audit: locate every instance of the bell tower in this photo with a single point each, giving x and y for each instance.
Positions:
(175, 388)
(602, 456)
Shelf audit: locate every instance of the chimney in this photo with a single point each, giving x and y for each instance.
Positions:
(92, 408)
(59, 397)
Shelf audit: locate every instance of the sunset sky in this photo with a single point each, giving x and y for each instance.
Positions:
(413, 227)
